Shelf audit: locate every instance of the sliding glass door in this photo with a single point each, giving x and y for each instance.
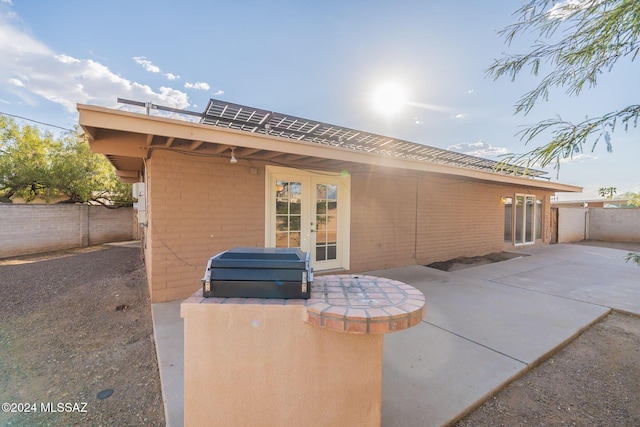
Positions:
(525, 220)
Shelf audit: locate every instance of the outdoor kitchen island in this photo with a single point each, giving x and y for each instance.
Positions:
(272, 362)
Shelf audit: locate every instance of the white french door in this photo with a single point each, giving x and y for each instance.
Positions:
(309, 211)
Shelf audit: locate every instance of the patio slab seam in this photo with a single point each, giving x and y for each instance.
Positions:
(495, 281)
(475, 342)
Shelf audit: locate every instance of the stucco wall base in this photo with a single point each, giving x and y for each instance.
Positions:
(262, 365)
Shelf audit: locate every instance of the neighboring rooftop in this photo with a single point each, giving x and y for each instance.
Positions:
(614, 203)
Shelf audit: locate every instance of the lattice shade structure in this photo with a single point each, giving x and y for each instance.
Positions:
(255, 120)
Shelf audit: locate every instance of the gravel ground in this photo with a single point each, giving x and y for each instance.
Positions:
(75, 326)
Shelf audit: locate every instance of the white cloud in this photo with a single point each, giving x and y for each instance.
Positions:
(565, 9)
(218, 92)
(146, 64)
(152, 68)
(66, 59)
(14, 42)
(16, 82)
(460, 116)
(470, 91)
(7, 1)
(479, 149)
(197, 85)
(579, 158)
(30, 69)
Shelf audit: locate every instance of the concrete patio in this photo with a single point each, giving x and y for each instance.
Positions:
(484, 326)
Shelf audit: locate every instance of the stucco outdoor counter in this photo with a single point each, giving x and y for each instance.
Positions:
(315, 362)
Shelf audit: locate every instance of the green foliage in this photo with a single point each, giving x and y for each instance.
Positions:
(36, 164)
(607, 192)
(634, 198)
(23, 161)
(578, 40)
(633, 257)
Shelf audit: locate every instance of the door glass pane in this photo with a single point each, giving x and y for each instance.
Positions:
(538, 219)
(519, 219)
(326, 222)
(508, 218)
(294, 206)
(529, 219)
(294, 239)
(331, 252)
(288, 220)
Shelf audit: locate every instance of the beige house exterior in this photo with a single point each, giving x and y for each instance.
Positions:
(209, 188)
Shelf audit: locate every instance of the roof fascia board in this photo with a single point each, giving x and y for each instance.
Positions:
(135, 123)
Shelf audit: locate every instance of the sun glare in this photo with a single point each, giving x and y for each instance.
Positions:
(389, 98)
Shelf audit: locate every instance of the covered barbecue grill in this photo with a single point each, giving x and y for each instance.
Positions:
(259, 273)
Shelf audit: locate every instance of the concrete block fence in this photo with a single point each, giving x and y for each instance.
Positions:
(609, 224)
(33, 228)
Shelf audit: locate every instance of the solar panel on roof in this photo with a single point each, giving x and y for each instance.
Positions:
(250, 119)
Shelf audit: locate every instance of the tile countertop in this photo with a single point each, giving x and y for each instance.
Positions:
(364, 304)
(349, 303)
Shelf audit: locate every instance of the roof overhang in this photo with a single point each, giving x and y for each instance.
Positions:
(127, 138)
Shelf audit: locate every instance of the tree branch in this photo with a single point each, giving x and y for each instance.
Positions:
(568, 138)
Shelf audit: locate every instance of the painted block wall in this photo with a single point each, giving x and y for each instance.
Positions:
(383, 220)
(572, 224)
(458, 218)
(201, 206)
(198, 207)
(111, 225)
(618, 225)
(27, 229)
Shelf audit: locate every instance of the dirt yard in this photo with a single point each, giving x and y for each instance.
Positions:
(594, 381)
(76, 349)
(76, 343)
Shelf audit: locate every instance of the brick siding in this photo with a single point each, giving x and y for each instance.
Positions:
(198, 207)
(383, 220)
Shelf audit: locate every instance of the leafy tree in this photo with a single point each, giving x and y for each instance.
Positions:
(633, 257)
(578, 40)
(37, 164)
(634, 198)
(607, 192)
(23, 161)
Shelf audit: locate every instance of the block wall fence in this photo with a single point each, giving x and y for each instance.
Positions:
(609, 224)
(27, 229)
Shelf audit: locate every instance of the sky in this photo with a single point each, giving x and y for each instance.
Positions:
(322, 60)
